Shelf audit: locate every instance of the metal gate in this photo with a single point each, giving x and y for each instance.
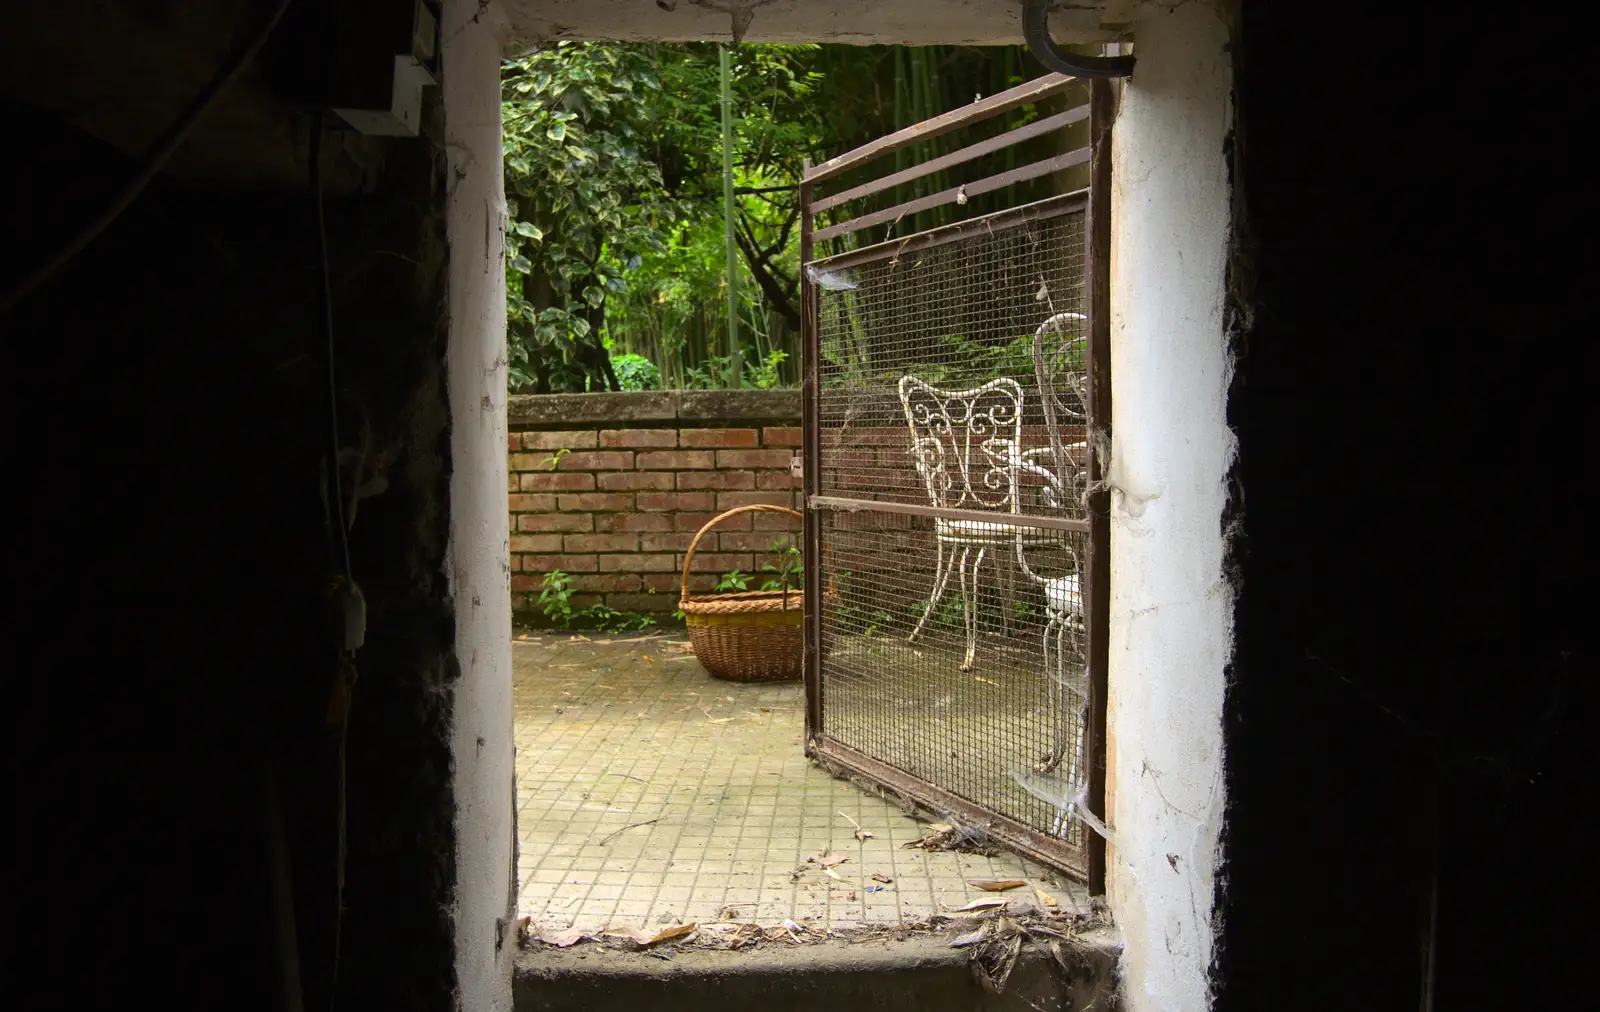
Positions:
(957, 396)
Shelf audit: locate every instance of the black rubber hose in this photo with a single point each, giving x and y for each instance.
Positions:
(1036, 30)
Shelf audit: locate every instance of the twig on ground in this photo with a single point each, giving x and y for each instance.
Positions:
(624, 829)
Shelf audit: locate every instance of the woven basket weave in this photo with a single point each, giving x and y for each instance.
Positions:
(752, 636)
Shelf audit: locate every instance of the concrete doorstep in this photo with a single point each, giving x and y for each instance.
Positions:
(923, 973)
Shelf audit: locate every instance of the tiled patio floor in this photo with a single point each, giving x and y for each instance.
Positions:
(649, 792)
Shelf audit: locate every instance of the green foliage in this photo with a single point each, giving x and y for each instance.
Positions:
(735, 580)
(788, 567)
(635, 372)
(613, 183)
(555, 597)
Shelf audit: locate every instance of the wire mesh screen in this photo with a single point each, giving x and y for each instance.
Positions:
(951, 468)
(1003, 307)
(946, 658)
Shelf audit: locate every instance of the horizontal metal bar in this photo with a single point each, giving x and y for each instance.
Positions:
(841, 503)
(1021, 173)
(958, 157)
(998, 221)
(1018, 836)
(976, 112)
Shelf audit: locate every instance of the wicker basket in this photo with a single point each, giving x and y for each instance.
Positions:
(752, 636)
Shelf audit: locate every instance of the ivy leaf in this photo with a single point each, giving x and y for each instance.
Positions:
(529, 230)
(593, 295)
(580, 326)
(557, 131)
(521, 264)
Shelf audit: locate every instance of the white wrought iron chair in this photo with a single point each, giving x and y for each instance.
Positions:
(1061, 375)
(964, 443)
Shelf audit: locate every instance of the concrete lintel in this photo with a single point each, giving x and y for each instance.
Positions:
(874, 22)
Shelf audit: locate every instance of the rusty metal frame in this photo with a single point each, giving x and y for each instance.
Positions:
(1086, 862)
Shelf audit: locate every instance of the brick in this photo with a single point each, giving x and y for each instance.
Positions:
(676, 501)
(665, 542)
(565, 563)
(513, 442)
(760, 541)
(781, 435)
(719, 437)
(535, 543)
(636, 438)
(536, 482)
(600, 460)
(555, 522)
(776, 522)
(607, 582)
(601, 543)
(730, 480)
(638, 563)
(729, 500)
(611, 523)
(532, 503)
(643, 602)
(695, 521)
(676, 460)
(720, 562)
(672, 583)
(568, 440)
(776, 480)
(521, 582)
(754, 458)
(610, 502)
(531, 461)
(581, 601)
(634, 481)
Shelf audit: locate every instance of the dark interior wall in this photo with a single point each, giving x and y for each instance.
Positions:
(1408, 286)
(167, 398)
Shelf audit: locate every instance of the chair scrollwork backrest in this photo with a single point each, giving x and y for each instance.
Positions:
(964, 442)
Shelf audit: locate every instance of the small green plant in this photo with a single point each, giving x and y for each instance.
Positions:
(555, 459)
(555, 597)
(787, 567)
(735, 580)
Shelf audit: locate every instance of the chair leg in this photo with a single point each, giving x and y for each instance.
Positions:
(941, 576)
(969, 602)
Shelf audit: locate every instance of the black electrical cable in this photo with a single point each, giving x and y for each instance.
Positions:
(325, 297)
(157, 157)
(1036, 31)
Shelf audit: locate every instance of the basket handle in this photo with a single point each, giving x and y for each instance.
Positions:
(714, 521)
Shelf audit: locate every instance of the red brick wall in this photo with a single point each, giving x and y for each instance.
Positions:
(618, 510)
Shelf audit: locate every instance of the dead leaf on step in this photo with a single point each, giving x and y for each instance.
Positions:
(879, 876)
(828, 860)
(831, 873)
(647, 658)
(563, 939)
(1045, 899)
(970, 938)
(645, 939)
(999, 885)
(980, 905)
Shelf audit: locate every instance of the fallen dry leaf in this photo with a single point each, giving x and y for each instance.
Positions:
(980, 905)
(563, 939)
(644, 939)
(831, 873)
(828, 860)
(879, 876)
(999, 885)
(1045, 898)
(647, 658)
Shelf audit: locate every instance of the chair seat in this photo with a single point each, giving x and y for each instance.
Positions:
(1064, 595)
(977, 532)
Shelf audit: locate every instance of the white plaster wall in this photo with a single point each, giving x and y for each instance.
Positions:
(480, 578)
(1171, 611)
